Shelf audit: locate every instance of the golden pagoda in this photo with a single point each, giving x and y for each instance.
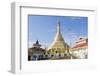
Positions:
(59, 43)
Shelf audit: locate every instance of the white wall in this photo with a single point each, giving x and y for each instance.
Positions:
(5, 32)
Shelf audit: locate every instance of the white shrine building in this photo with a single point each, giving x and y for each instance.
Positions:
(80, 49)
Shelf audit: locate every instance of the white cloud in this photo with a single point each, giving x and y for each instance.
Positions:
(30, 43)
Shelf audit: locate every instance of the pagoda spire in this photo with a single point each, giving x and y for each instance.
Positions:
(58, 33)
(58, 26)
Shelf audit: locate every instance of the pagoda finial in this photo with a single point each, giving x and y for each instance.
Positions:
(58, 25)
(58, 21)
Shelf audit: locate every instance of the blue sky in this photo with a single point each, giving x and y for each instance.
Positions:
(43, 28)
